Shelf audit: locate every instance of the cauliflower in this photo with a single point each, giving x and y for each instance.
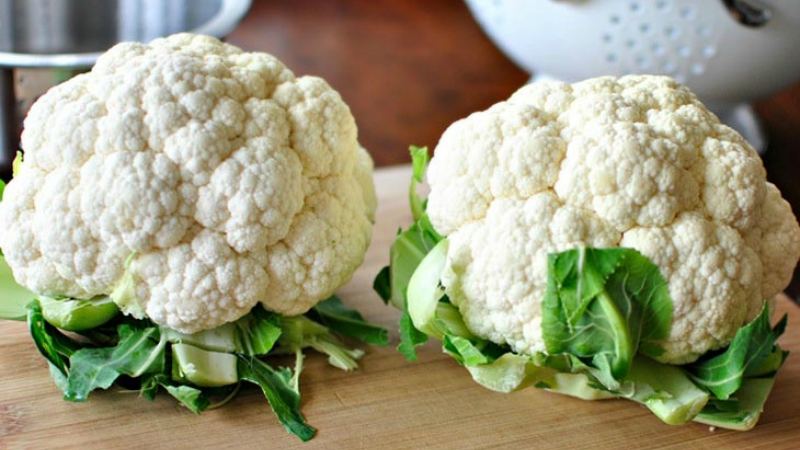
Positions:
(606, 239)
(635, 162)
(208, 178)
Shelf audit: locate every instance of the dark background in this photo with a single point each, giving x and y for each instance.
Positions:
(409, 69)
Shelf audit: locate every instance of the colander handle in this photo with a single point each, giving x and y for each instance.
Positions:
(750, 13)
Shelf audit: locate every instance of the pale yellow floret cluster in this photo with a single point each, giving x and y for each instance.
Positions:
(229, 180)
(635, 161)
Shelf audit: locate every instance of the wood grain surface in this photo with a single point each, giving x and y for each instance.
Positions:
(388, 403)
(408, 69)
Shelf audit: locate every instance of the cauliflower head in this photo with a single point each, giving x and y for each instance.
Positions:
(209, 178)
(635, 161)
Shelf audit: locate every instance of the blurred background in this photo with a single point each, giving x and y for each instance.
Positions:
(410, 68)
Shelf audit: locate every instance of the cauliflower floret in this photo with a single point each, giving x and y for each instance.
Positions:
(506, 151)
(134, 197)
(635, 161)
(773, 237)
(713, 279)
(184, 282)
(229, 180)
(625, 173)
(309, 259)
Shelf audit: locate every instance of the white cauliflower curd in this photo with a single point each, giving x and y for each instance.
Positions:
(636, 162)
(217, 175)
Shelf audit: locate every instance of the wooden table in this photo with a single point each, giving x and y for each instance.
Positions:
(389, 403)
(410, 68)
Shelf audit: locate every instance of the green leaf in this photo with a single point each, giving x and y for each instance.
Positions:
(411, 245)
(2, 188)
(511, 372)
(349, 322)
(139, 351)
(425, 315)
(604, 306)
(571, 364)
(53, 345)
(78, 315)
(383, 284)
(277, 388)
(423, 292)
(448, 321)
(464, 351)
(578, 385)
(257, 332)
(729, 405)
(150, 384)
(220, 339)
(58, 376)
(419, 164)
(195, 400)
(91, 371)
(201, 367)
(13, 297)
(407, 251)
(665, 390)
(192, 398)
(254, 334)
(339, 355)
(751, 397)
(300, 332)
(752, 346)
(768, 367)
(410, 337)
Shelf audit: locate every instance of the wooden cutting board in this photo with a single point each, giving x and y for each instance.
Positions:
(388, 403)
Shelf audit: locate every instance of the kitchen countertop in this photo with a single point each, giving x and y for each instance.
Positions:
(409, 69)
